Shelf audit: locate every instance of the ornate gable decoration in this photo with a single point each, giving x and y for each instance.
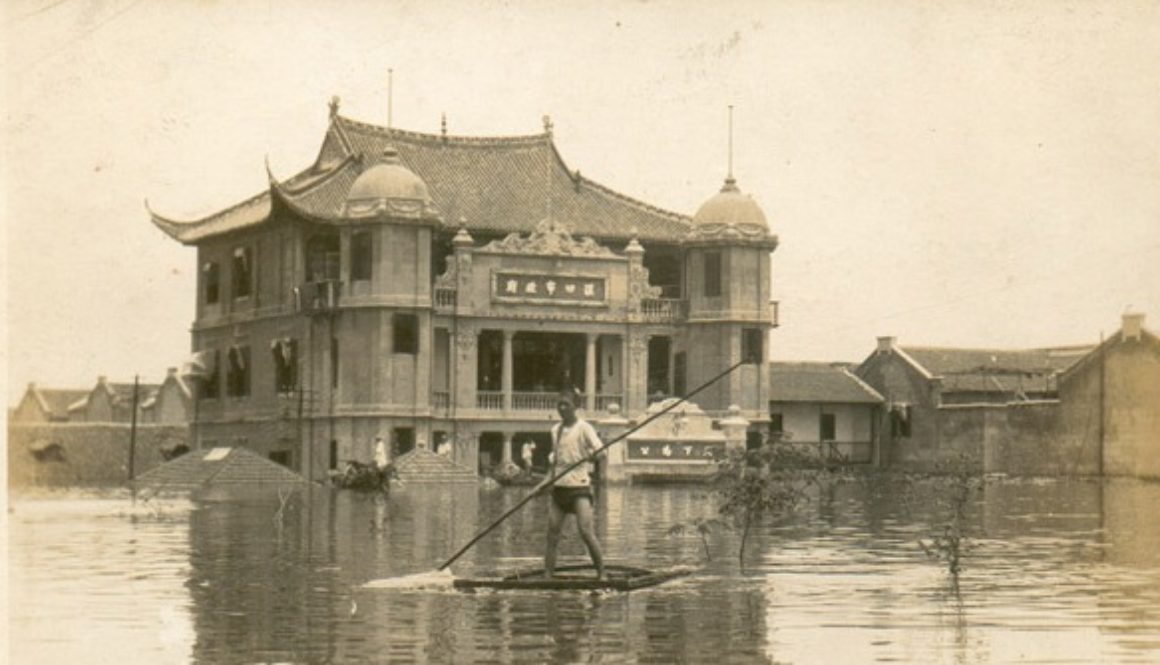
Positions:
(550, 238)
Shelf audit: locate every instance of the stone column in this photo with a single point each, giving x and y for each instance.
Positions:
(590, 373)
(463, 373)
(507, 372)
(611, 427)
(506, 453)
(636, 373)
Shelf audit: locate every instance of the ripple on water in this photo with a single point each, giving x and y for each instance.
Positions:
(1056, 572)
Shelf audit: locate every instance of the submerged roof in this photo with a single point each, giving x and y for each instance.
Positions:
(491, 184)
(818, 382)
(238, 467)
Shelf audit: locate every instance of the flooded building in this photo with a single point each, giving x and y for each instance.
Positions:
(1077, 410)
(438, 290)
(824, 407)
(1111, 401)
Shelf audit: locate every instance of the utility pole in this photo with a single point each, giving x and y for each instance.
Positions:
(133, 426)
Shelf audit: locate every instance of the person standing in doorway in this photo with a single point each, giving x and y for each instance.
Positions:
(527, 453)
(573, 440)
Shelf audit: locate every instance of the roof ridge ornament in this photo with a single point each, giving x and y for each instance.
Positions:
(334, 103)
(551, 238)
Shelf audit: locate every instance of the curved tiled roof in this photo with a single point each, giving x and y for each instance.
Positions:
(494, 184)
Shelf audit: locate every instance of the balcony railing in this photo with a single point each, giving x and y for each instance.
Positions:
(319, 296)
(489, 400)
(445, 298)
(663, 309)
(537, 401)
(603, 401)
(441, 399)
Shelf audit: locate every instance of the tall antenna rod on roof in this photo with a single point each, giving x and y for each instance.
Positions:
(730, 175)
(390, 96)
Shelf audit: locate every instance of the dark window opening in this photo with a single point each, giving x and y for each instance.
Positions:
(238, 371)
(752, 346)
(361, 256)
(333, 459)
(242, 273)
(285, 352)
(658, 366)
(281, 457)
(322, 258)
(211, 281)
(403, 441)
(680, 372)
(712, 274)
(753, 440)
(406, 333)
(776, 426)
(333, 362)
(826, 427)
(664, 270)
(489, 361)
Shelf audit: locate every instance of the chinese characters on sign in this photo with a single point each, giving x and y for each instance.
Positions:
(548, 289)
(675, 451)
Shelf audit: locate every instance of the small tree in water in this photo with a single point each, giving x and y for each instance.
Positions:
(955, 486)
(764, 484)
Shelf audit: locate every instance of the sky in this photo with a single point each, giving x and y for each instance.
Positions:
(976, 174)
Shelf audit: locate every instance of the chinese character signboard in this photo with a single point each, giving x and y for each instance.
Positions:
(548, 289)
(675, 451)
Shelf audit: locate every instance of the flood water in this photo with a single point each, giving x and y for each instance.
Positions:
(1060, 571)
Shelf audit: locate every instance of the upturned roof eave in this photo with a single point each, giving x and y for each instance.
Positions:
(195, 231)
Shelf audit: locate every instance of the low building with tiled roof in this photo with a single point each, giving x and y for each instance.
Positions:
(995, 375)
(429, 287)
(109, 402)
(824, 405)
(1073, 410)
(43, 405)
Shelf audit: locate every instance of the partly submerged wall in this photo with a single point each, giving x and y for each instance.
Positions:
(85, 454)
(1018, 439)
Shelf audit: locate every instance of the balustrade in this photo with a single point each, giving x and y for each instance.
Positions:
(663, 309)
(445, 298)
(489, 400)
(603, 401)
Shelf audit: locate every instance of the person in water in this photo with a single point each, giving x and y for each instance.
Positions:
(573, 439)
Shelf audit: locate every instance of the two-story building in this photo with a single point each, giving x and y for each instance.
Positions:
(436, 290)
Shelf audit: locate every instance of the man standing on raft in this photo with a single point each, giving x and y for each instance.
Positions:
(573, 439)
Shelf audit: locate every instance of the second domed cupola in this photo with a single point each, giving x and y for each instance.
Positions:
(387, 188)
(730, 207)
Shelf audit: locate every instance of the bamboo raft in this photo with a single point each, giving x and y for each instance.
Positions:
(575, 578)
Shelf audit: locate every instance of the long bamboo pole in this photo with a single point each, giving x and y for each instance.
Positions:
(587, 459)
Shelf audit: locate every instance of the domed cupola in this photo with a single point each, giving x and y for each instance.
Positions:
(730, 212)
(387, 188)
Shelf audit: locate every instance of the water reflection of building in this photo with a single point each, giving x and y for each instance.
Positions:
(432, 287)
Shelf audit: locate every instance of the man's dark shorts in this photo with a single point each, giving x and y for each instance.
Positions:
(565, 497)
